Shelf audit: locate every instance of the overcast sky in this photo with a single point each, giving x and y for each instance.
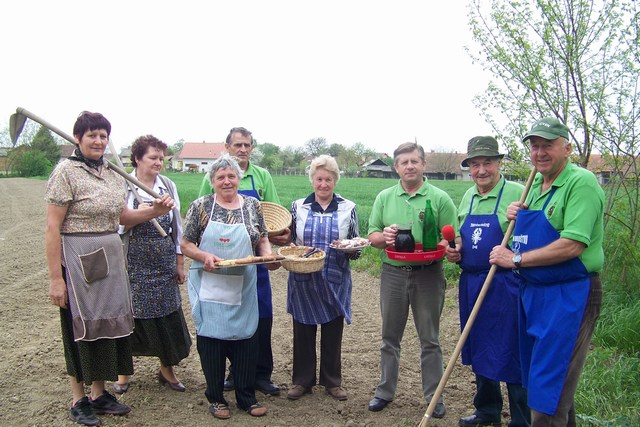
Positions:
(379, 73)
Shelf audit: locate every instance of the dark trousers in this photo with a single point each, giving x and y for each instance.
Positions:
(264, 368)
(565, 415)
(242, 353)
(264, 365)
(488, 402)
(304, 353)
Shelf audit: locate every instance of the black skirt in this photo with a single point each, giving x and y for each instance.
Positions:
(100, 360)
(164, 337)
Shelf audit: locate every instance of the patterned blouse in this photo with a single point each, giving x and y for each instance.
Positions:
(199, 213)
(94, 200)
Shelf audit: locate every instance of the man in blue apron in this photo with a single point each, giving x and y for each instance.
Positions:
(492, 345)
(557, 251)
(256, 182)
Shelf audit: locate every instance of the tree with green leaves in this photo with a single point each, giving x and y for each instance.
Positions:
(577, 60)
(25, 161)
(44, 142)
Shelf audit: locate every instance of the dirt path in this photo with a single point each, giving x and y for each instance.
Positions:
(34, 389)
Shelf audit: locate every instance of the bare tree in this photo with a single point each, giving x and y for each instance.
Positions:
(573, 59)
(317, 146)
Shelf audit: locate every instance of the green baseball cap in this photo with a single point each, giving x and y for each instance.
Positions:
(481, 146)
(548, 128)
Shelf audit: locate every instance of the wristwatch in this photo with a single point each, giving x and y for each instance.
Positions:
(517, 259)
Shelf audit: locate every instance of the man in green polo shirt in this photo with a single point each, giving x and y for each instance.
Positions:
(491, 347)
(557, 250)
(256, 182)
(419, 286)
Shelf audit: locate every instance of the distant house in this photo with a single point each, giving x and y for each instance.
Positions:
(376, 168)
(440, 166)
(125, 156)
(197, 156)
(4, 159)
(446, 166)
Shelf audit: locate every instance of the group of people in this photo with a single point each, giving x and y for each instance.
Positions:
(116, 278)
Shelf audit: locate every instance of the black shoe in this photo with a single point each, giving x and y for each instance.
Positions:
(376, 404)
(228, 384)
(267, 387)
(83, 413)
(440, 411)
(474, 421)
(108, 404)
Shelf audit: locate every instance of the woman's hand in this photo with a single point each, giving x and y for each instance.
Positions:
(58, 292)
(271, 266)
(210, 262)
(163, 205)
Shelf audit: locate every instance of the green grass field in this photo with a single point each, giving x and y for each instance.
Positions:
(362, 191)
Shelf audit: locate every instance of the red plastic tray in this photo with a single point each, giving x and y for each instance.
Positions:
(417, 256)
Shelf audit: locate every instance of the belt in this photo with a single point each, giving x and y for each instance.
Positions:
(416, 267)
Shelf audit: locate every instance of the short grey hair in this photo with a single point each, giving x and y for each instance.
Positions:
(224, 162)
(327, 163)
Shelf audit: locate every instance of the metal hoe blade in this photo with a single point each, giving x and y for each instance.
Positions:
(16, 124)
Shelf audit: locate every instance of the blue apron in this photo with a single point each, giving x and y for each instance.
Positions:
(492, 345)
(319, 297)
(224, 303)
(552, 303)
(265, 305)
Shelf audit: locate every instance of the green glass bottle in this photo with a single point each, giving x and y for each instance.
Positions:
(429, 229)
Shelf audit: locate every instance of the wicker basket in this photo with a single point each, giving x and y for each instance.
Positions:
(277, 218)
(295, 263)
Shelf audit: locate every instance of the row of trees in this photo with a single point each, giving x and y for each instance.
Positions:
(290, 158)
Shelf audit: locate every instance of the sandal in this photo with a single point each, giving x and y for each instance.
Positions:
(220, 411)
(257, 410)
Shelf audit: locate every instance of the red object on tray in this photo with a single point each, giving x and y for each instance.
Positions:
(417, 256)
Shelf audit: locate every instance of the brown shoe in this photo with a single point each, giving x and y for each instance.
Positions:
(337, 393)
(297, 391)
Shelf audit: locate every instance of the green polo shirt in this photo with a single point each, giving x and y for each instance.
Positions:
(486, 204)
(261, 179)
(394, 206)
(576, 210)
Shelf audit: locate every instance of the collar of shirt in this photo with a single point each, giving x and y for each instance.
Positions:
(315, 206)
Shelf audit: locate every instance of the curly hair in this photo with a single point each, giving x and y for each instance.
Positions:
(142, 144)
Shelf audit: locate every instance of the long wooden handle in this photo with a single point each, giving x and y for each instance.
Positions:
(115, 156)
(474, 313)
(249, 260)
(69, 138)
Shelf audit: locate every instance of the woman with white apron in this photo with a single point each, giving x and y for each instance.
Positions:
(224, 301)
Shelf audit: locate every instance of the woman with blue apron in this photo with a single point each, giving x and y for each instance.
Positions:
(225, 312)
(492, 345)
(553, 300)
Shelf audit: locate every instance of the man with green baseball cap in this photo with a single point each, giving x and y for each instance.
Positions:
(557, 252)
(548, 128)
